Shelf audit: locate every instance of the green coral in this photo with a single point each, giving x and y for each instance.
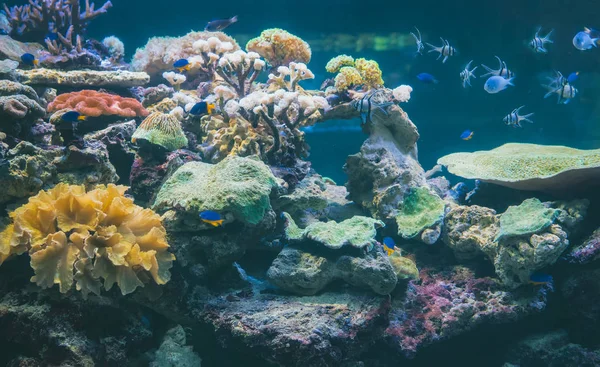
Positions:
(421, 210)
(334, 65)
(347, 78)
(370, 72)
(236, 185)
(357, 232)
(525, 219)
(161, 129)
(404, 267)
(353, 73)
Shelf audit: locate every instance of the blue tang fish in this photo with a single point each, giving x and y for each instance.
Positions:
(467, 135)
(202, 108)
(389, 245)
(540, 279)
(427, 78)
(73, 116)
(29, 59)
(220, 24)
(211, 217)
(182, 65)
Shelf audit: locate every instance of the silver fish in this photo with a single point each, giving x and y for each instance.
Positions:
(502, 70)
(538, 44)
(366, 106)
(420, 46)
(564, 92)
(467, 74)
(557, 81)
(514, 119)
(444, 50)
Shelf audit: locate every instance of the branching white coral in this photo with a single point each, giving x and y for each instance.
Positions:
(402, 93)
(289, 77)
(174, 78)
(240, 69)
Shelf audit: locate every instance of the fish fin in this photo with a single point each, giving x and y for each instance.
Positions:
(445, 59)
(547, 37)
(510, 81)
(234, 19)
(414, 36)
(566, 100)
(549, 93)
(433, 48)
(210, 107)
(133, 140)
(587, 30)
(82, 118)
(469, 65)
(489, 70)
(526, 118)
(595, 42)
(518, 109)
(363, 117)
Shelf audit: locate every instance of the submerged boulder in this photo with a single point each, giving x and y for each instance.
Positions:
(421, 210)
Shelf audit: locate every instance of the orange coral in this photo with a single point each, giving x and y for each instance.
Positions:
(74, 235)
(92, 103)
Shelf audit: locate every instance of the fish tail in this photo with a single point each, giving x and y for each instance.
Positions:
(595, 42)
(489, 70)
(550, 93)
(133, 140)
(547, 37)
(510, 81)
(82, 118)
(234, 19)
(210, 107)
(526, 118)
(433, 48)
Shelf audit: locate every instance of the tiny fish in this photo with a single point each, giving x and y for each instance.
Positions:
(182, 64)
(29, 59)
(366, 107)
(540, 279)
(538, 44)
(444, 50)
(220, 24)
(502, 70)
(427, 78)
(573, 77)
(514, 119)
(557, 81)
(467, 74)
(73, 116)
(584, 41)
(211, 217)
(467, 135)
(202, 108)
(496, 84)
(389, 246)
(565, 92)
(420, 46)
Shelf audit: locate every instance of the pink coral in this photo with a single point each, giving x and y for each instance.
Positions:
(92, 103)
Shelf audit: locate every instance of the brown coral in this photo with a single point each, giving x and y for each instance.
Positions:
(92, 103)
(74, 235)
(280, 47)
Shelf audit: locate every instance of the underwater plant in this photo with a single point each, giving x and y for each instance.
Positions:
(86, 237)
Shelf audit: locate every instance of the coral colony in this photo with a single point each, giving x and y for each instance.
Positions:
(208, 136)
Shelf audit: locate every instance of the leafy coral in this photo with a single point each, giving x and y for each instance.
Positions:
(352, 73)
(74, 235)
(161, 129)
(531, 216)
(421, 209)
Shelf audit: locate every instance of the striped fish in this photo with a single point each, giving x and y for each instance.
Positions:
(565, 92)
(366, 107)
(420, 46)
(467, 74)
(444, 50)
(538, 44)
(502, 70)
(514, 119)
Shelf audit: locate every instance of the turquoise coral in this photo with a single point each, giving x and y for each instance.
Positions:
(421, 210)
(528, 218)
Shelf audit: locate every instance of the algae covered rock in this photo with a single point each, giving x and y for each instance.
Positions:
(531, 216)
(528, 166)
(469, 229)
(236, 186)
(404, 267)
(174, 352)
(421, 209)
(83, 78)
(357, 232)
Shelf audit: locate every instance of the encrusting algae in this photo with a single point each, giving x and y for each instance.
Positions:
(74, 235)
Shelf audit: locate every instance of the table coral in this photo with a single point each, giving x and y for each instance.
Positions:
(421, 209)
(82, 78)
(528, 166)
(280, 47)
(74, 235)
(161, 129)
(531, 216)
(93, 104)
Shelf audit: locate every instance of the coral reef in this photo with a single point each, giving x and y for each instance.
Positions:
(13, 49)
(161, 129)
(173, 351)
(82, 78)
(280, 47)
(531, 216)
(421, 209)
(93, 104)
(238, 188)
(354, 73)
(468, 229)
(588, 251)
(20, 109)
(527, 166)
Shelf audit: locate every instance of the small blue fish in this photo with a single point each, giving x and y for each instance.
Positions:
(389, 246)
(182, 65)
(73, 116)
(427, 78)
(220, 24)
(211, 217)
(444, 50)
(514, 119)
(538, 44)
(467, 135)
(366, 107)
(29, 59)
(584, 41)
(467, 74)
(496, 84)
(540, 279)
(420, 46)
(573, 77)
(202, 108)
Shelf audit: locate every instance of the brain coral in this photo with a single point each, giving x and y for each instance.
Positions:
(92, 103)
(161, 129)
(527, 166)
(74, 235)
(280, 47)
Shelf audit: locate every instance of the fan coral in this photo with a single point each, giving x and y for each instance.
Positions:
(280, 47)
(74, 235)
(161, 129)
(94, 104)
(334, 65)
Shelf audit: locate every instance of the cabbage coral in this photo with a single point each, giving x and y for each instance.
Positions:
(280, 47)
(77, 236)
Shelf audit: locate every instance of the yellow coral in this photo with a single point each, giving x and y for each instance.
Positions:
(347, 78)
(280, 47)
(370, 72)
(334, 65)
(74, 235)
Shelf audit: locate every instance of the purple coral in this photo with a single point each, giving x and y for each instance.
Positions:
(587, 252)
